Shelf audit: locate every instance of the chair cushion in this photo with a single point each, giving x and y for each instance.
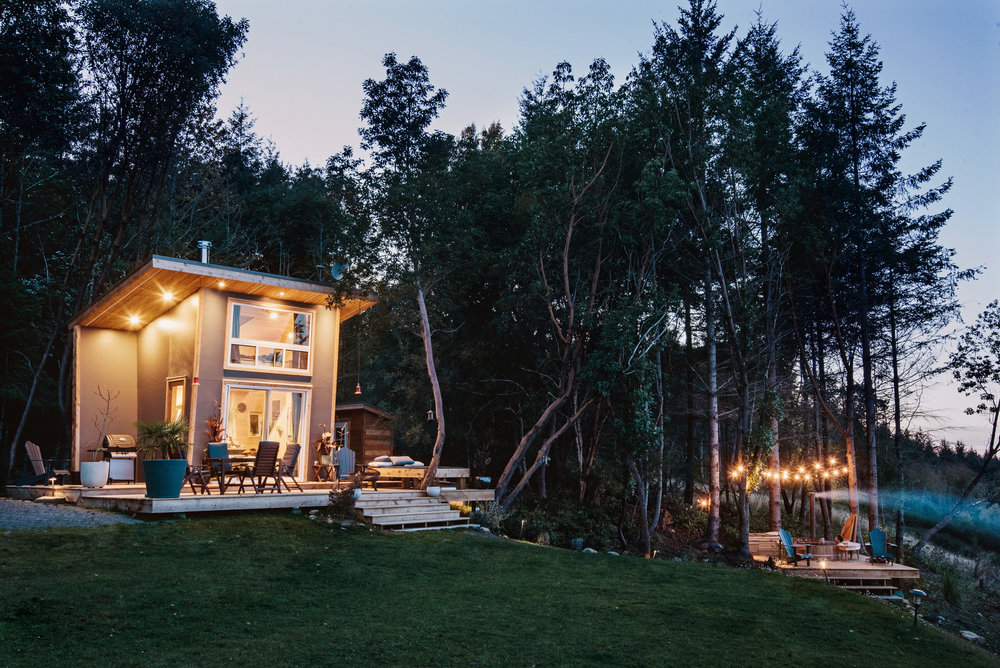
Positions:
(383, 458)
(415, 464)
(401, 460)
(378, 463)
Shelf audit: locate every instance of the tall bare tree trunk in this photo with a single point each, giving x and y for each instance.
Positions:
(689, 446)
(714, 517)
(425, 334)
(897, 435)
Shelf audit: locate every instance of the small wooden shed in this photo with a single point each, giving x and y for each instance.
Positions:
(369, 430)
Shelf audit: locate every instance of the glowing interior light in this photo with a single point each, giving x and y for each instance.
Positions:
(222, 284)
(833, 460)
(168, 296)
(802, 469)
(133, 320)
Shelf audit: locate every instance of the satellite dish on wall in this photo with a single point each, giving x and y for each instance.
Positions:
(337, 270)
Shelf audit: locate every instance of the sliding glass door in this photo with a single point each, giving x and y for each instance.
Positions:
(255, 414)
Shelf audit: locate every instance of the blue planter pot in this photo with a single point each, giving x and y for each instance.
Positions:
(164, 477)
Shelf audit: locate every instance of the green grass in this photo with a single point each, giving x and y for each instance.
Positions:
(287, 591)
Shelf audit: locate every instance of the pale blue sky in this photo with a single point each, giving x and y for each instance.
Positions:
(304, 62)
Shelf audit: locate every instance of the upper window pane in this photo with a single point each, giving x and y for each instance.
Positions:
(266, 337)
(270, 325)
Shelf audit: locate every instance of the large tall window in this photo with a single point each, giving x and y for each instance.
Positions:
(269, 338)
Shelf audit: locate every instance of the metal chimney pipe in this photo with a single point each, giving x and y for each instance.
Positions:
(204, 246)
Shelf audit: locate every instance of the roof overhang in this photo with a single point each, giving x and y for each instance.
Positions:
(162, 282)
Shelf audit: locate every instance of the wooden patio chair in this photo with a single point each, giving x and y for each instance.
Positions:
(200, 476)
(785, 541)
(880, 552)
(265, 465)
(43, 469)
(286, 467)
(344, 460)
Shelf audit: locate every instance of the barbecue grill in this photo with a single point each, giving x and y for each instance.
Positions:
(120, 450)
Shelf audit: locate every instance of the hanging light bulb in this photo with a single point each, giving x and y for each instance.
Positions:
(357, 388)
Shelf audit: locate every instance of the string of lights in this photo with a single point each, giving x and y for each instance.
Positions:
(813, 471)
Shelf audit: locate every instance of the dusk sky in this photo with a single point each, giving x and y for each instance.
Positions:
(305, 60)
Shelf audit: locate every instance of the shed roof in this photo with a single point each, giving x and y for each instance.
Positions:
(162, 282)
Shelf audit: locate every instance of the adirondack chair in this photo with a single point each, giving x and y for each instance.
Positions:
(880, 548)
(265, 465)
(286, 468)
(785, 540)
(345, 460)
(43, 469)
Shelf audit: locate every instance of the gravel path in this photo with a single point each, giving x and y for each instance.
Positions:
(16, 514)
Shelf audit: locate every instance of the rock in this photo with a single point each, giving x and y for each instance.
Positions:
(484, 529)
(973, 637)
(590, 550)
(613, 553)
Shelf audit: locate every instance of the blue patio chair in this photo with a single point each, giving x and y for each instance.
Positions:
(880, 548)
(793, 557)
(219, 464)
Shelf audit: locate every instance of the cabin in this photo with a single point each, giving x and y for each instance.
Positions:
(364, 429)
(181, 338)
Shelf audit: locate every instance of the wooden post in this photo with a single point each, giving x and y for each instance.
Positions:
(335, 375)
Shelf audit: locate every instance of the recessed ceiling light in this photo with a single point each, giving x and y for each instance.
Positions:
(133, 320)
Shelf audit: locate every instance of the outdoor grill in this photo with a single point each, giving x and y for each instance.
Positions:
(119, 449)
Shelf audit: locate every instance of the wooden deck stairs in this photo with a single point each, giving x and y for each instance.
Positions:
(408, 510)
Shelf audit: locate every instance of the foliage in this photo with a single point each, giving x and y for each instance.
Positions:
(164, 437)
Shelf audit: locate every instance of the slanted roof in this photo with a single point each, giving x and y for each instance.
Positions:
(162, 282)
(364, 406)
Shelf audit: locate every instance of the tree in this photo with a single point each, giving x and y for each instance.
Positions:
(976, 366)
(148, 67)
(412, 231)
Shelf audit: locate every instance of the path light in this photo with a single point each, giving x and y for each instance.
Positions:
(523, 522)
(918, 598)
(822, 565)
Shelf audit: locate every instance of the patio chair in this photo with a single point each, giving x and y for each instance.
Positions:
(785, 540)
(43, 469)
(880, 548)
(219, 465)
(200, 476)
(286, 467)
(345, 461)
(265, 465)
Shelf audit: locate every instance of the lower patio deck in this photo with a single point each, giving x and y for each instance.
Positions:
(131, 498)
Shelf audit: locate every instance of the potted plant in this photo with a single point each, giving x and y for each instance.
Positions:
(95, 473)
(164, 477)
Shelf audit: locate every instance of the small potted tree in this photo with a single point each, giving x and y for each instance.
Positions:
(164, 477)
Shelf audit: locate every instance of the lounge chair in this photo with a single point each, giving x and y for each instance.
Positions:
(785, 541)
(43, 469)
(286, 467)
(265, 465)
(879, 547)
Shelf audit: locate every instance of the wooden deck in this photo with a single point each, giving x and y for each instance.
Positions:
(856, 574)
(131, 498)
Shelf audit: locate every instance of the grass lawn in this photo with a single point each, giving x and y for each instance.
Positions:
(284, 590)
